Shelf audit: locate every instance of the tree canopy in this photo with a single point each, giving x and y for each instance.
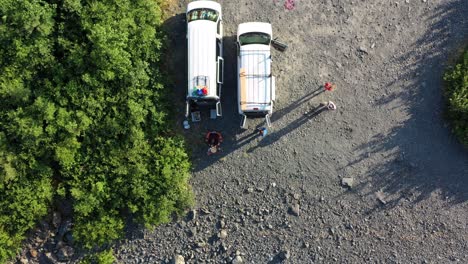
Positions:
(83, 117)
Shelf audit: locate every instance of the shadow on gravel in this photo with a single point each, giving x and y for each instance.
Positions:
(422, 156)
(275, 136)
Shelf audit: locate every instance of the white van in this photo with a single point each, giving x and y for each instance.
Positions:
(256, 85)
(205, 58)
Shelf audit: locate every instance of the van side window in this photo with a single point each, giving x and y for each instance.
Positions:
(218, 48)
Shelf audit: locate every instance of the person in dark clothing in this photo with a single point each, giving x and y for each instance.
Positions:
(213, 139)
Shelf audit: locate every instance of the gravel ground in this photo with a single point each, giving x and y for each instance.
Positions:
(282, 198)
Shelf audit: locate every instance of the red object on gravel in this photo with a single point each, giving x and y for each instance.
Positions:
(289, 4)
(328, 86)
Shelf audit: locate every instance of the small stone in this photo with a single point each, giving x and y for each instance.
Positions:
(295, 209)
(33, 252)
(250, 190)
(259, 189)
(178, 259)
(273, 184)
(222, 234)
(222, 224)
(193, 231)
(24, 261)
(65, 253)
(285, 254)
(192, 215)
(296, 196)
(49, 258)
(205, 211)
(56, 219)
(224, 248)
(200, 244)
(237, 260)
(306, 245)
(380, 197)
(347, 182)
(363, 50)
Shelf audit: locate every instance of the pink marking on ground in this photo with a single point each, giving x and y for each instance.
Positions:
(289, 4)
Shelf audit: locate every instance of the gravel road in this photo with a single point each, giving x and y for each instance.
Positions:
(283, 198)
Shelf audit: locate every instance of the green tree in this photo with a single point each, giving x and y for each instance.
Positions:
(457, 96)
(83, 116)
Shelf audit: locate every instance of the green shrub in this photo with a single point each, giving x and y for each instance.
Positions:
(83, 117)
(456, 80)
(104, 257)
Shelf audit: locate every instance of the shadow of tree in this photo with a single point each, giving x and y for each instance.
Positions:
(421, 155)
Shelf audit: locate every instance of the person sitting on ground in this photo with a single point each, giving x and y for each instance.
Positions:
(213, 139)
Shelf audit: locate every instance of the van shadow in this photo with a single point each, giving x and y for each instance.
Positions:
(175, 61)
(423, 158)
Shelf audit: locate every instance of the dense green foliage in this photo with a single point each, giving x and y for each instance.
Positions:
(104, 257)
(82, 116)
(457, 95)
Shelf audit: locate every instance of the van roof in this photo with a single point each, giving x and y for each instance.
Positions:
(255, 78)
(201, 44)
(204, 4)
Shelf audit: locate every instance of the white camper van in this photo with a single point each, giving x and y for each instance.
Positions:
(205, 58)
(256, 85)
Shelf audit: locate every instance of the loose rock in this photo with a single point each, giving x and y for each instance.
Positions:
(222, 234)
(295, 209)
(65, 253)
(56, 219)
(285, 254)
(33, 253)
(192, 215)
(348, 182)
(237, 260)
(380, 197)
(178, 259)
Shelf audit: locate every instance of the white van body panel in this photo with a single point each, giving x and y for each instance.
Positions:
(204, 57)
(255, 81)
(202, 61)
(254, 63)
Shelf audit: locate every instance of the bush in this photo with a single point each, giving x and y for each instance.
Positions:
(456, 92)
(104, 257)
(83, 116)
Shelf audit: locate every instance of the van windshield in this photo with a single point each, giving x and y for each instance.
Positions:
(254, 38)
(202, 14)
